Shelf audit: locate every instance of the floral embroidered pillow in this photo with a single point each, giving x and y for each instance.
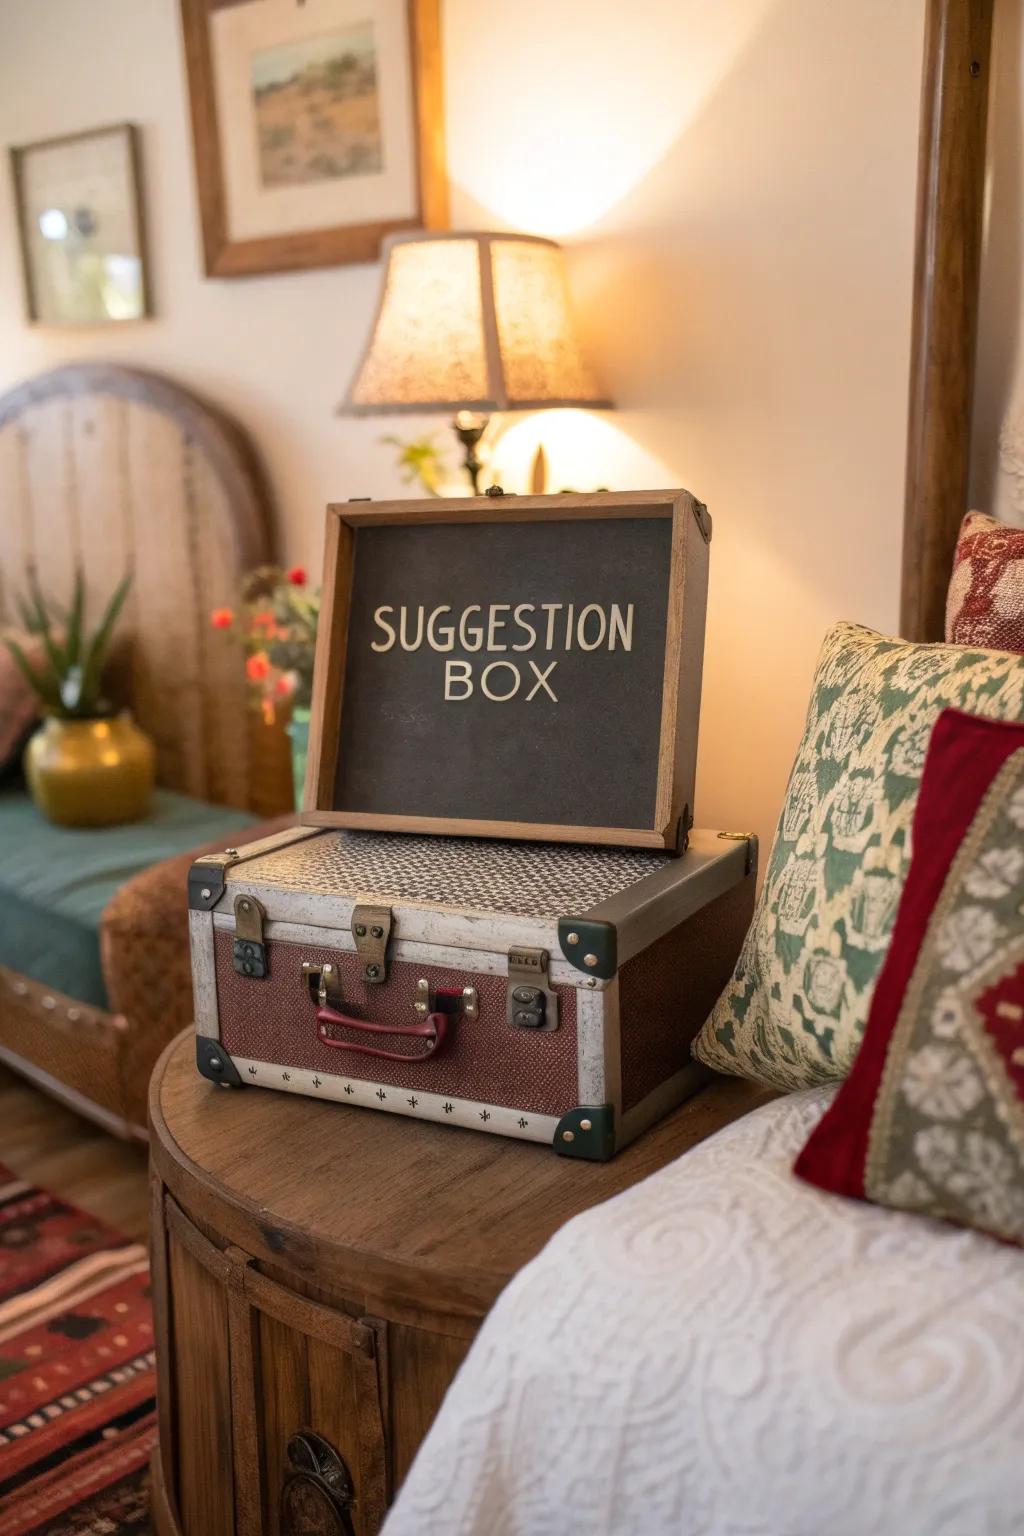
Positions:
(794, 1012)
(931, 1118)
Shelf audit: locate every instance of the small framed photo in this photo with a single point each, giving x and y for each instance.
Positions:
(79, 211)
(317, 128)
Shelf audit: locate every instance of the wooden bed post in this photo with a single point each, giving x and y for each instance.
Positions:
(950, 201)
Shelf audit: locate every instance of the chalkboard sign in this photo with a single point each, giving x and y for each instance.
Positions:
(511, 667)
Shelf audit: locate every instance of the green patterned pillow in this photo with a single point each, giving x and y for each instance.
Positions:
(794, 1012)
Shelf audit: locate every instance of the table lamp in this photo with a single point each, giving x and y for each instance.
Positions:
(472, 323)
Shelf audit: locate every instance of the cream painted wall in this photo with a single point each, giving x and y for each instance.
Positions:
(736, 184)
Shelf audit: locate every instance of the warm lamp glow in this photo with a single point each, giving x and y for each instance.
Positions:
(477, 322)
(583, 451)
(594, 106)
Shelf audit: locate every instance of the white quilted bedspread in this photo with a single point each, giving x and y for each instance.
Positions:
(723, 1351)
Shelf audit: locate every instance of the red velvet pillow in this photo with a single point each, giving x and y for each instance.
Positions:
(931, 1117)
(985, 602)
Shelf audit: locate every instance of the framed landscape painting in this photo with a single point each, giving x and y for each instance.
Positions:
(79, 213)
(317, 128)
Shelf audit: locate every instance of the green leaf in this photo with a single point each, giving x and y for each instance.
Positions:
(96, 655)
(38, 682)
(73, 637)
(54, 653)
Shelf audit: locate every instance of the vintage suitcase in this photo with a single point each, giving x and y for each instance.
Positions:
(545, 992)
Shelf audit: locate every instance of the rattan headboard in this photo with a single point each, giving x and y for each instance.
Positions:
(113, 468)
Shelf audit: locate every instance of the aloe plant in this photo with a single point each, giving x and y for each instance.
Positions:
(69, 680)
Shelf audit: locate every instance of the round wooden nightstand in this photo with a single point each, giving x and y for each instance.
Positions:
(318, 1275)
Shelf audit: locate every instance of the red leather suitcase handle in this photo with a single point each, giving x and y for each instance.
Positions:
(431, 1030)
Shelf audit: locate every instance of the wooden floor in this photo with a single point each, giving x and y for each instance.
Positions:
(46, 1144)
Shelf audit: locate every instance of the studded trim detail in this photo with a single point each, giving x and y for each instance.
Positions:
(496, 1119)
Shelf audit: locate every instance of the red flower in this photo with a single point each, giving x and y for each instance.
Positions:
(285, 685)
(264, 619)
(257, 667)
(297, 575)
(222, 618)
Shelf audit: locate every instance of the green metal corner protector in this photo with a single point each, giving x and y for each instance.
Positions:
(592, 947)
(588, 1131)
(215, 1064)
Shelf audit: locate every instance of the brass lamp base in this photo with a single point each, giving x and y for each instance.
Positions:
(469, 427)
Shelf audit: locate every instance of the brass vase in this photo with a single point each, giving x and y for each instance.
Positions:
(90, 773)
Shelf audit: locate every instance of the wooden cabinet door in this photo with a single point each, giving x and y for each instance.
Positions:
(277, 1408)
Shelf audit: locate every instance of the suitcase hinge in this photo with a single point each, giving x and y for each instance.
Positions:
(741, 837)
(249, 952)
(371, 929)
(700, 514)
(530, 1002)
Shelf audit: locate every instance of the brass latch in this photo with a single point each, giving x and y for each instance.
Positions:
(249, 952)
(371, 929)
(323, 984)
(531, 1002)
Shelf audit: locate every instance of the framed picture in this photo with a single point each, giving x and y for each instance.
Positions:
(79, 214)
(317, 128)
(520, 667)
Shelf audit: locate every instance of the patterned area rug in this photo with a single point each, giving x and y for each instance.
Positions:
(77, 1384)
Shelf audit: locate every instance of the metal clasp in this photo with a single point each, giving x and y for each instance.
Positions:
(248, 952)
(371, 929)
(323, 984)
(531, 1002)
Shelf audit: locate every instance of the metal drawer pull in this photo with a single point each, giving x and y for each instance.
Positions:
(318, 1491)
(430, 1030)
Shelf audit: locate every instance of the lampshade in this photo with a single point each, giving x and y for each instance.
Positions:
(475, 322)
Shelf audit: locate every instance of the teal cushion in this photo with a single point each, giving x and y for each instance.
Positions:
(56, 881)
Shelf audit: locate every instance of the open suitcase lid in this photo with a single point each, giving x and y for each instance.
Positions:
(592, 907)
(511, 667)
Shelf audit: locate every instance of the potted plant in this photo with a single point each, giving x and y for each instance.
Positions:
(88, 764)
(276, 622)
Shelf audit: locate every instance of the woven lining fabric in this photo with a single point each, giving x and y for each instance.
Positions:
(547, 880)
